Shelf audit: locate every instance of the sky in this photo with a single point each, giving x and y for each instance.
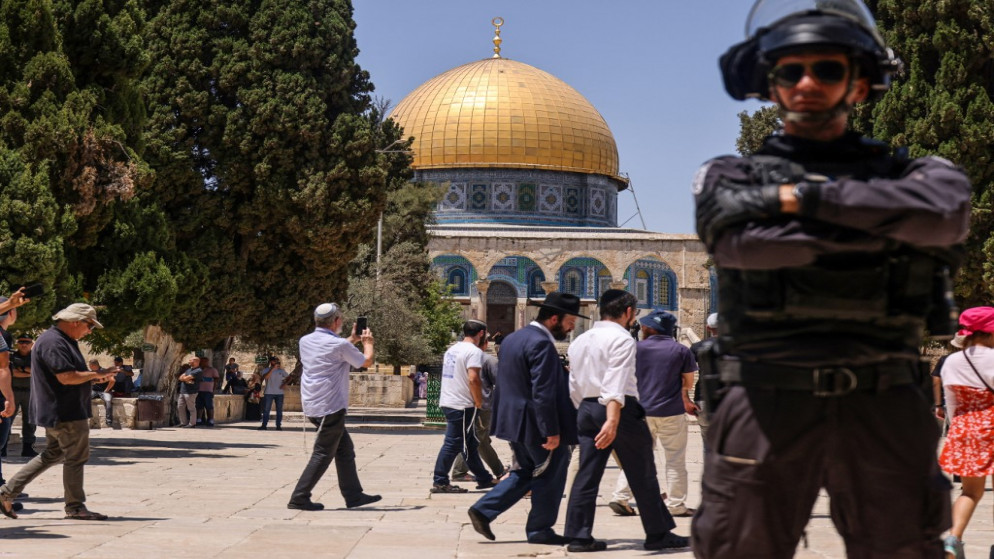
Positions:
(649, 66)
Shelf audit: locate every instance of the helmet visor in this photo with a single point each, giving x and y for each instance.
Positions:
(765, 13)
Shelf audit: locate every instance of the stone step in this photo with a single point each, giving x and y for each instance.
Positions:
(371, 418)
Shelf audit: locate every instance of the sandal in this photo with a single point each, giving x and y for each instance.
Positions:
(85, 514)
(447, 488)
(953, 547)
(621, 508)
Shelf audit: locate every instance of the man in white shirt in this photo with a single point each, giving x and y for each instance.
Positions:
(609, 417)
(324, 395)
(461, 396)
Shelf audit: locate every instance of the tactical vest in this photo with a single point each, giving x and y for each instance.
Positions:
(886, 299)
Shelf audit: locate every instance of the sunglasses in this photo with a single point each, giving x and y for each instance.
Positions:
(828, 72)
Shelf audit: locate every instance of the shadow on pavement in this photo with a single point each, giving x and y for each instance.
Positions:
(115, 451)
(9, 532)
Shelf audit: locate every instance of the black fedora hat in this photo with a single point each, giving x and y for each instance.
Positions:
(562, 302)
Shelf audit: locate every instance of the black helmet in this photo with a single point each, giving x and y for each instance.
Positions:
(779, 27)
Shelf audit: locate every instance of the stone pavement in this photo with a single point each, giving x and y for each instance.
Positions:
(222, 493)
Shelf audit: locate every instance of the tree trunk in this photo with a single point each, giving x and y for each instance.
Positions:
(219, 358)
(159, 365)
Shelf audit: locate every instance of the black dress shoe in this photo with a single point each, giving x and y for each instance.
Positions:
(481, 524)
(577, 546)
(550, 538)
(487, 484)
(669, 540)
(309, 505)
(29, 453)
(363, 500)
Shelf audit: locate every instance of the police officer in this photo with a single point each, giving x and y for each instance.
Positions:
(833, 254)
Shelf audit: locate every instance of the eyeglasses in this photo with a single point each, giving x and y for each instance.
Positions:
(23, 343)
(89, 325)
(828, 72)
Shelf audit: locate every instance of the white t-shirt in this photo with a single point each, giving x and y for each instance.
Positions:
(957, 372)
(455, 375)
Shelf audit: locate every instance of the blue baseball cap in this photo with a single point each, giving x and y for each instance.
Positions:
(660, 321)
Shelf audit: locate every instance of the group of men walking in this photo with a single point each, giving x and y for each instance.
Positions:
(542, 408)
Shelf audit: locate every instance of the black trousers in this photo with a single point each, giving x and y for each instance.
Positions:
(21, 399)
(332, 441)
(773, 450)
(633, 444)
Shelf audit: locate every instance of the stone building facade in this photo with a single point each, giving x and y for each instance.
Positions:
(532, 177)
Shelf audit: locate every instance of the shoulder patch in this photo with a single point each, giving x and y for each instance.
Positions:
(698, 185)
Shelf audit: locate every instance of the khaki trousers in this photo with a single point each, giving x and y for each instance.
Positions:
(69, 442)
(669, 434)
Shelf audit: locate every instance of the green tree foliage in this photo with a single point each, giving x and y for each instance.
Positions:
(401, 296)
(265, 148)
(443, 317)
(71, 123)
(755, 127)
(943, 105)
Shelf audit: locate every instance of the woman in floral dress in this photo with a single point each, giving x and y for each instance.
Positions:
(968, 378)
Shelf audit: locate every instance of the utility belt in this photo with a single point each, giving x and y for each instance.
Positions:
(719, 372)
(821, 381)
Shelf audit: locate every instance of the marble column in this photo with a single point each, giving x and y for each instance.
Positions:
(482, 285)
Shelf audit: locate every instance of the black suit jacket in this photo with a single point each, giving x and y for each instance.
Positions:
(532, 398)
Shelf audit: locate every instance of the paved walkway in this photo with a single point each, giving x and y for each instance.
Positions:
(222, 493)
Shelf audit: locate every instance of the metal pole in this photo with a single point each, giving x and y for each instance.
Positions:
(379, 246)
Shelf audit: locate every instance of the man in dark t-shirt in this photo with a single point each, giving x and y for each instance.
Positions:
(664, 370)
(60, 402)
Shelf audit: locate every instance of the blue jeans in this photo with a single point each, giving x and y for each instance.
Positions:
(267, 400)
(459, 438)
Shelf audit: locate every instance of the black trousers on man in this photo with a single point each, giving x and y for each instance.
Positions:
(633, 444)
(773, 450)
(332, 441)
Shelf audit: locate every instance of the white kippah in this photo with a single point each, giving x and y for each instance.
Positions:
(325, 310)
(713, 320)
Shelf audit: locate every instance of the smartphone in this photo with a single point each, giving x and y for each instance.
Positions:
(33, 290)
(360, 325)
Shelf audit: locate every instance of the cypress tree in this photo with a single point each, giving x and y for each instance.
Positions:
(943, 105)
(266, 165)
(70, 131)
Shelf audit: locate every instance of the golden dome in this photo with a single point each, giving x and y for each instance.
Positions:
(503, 113)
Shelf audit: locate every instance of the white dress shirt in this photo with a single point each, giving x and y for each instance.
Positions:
(602, 364)
(324, 383)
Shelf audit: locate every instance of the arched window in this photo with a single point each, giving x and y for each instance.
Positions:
(535, 279)
(457, 281)
(642, 287)
(573, 282)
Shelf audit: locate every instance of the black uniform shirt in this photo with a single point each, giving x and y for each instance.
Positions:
(861, 212)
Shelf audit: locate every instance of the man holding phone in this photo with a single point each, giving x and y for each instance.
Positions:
(60, 402)
(324, 394)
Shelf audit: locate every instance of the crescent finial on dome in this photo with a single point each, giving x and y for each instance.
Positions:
(497, 22)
